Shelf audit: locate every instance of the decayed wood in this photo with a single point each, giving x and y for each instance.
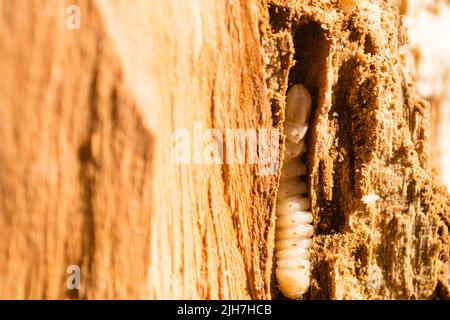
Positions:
(381, 217)
(87, 178)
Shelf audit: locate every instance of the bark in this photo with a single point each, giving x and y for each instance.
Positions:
(86, 171)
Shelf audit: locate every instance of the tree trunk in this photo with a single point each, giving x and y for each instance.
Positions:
(90, 119)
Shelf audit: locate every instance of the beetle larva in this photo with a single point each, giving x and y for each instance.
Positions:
(294, 230)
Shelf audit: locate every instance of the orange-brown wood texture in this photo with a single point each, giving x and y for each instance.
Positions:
(87, 175)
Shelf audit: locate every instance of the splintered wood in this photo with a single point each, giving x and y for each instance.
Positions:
(380, 216)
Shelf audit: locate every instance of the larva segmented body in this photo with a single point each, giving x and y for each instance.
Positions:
(294, 231)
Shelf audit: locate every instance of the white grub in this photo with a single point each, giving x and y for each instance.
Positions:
(295, 265)
(295, 132)
(294, 150)
(295, 278)
(295, 218)
(294, 231)
(291, 188)
(293, 243)
(298, 105)
(370, 198)
(292, 204)
(298, 232)
(292, 169)
(298, 254)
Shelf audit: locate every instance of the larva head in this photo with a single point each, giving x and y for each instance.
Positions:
(298, 105)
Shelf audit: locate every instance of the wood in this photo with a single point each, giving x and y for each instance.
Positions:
(86, 176)
(370, 139)
(428, 59)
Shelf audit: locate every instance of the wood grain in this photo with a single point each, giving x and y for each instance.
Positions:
(86, 174)
(86, 171)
